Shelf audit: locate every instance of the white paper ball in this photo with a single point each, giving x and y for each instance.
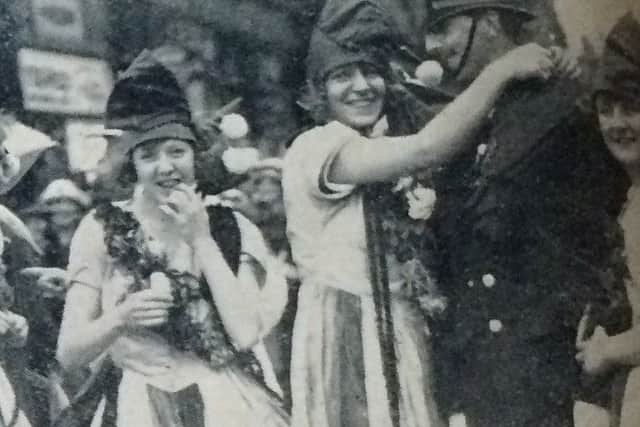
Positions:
(234, 126)
(488, 280)
(430, 73)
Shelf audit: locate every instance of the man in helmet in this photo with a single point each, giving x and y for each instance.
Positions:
(517, 221)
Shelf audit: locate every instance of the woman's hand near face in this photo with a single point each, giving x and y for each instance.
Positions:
(186, 209)
(144, 309)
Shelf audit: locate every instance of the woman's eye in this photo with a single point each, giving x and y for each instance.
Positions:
(370, 73)
(604, 106)
(177, 152)
(632, 106)
(341, 75)
(145, 155)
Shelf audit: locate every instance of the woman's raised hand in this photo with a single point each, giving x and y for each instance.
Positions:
(187, 210)
(526, 62)
(565, 63)
(147, 308)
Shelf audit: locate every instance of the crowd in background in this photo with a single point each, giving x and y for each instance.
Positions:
(232, 173)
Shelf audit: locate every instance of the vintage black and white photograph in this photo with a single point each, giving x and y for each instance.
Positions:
(319, 213)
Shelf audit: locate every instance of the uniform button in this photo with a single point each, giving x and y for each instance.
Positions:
(495, 326)
(488, 280)
(470, 284)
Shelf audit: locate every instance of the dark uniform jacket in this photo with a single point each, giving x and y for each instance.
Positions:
(520, 225)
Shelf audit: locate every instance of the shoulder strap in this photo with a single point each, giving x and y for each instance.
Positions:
(226, 233)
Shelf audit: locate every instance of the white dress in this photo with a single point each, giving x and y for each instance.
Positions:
(630, 222)
(8, 403)
(230, 397)
(326, 230)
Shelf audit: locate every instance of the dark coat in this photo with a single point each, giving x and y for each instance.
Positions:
(527, 213)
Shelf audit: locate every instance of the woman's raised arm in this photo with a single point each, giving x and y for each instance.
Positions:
(361, 162)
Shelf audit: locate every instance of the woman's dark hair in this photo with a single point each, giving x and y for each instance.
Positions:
(314, 97)
(127, 175)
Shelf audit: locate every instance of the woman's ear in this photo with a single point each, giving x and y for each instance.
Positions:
(313, 101)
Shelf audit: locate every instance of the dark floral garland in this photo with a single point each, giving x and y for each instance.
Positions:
(411, 243)
(187, 329)
(405, 215)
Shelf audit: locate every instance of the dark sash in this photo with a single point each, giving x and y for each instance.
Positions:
(183, 408)
(376, 249)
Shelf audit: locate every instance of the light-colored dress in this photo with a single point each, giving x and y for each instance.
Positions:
(8, 403)
(630, 222)
(230, 397)
(326, 230)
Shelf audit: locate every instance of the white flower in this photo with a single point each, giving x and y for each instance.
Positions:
(234, 126)
(421, 202)
(430, 73)
(156, 248)
(482, 149)
(239, 160)
(404, 183)
(160, 282)
(488, 280)
(495, 325)
(426, 195)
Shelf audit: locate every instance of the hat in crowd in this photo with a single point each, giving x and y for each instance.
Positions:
(146, 104)
(21, 146)
(64, 189)
(443, 9)
(271, 166)
(350, 31)
(619, 70)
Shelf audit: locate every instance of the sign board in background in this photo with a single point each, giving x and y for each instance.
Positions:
(67, 84)
(58, 19)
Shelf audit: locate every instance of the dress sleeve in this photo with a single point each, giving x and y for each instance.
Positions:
(87, 254)
(269, 278)
(318, 149)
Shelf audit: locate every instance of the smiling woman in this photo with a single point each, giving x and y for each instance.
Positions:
(162, 166)
(355, 95)
(171, 290)
(360, 352)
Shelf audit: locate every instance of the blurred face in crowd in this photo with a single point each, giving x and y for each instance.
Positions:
(355, 95)
(266, 194)
(162, 165)
(64, 217)
(619, 119)
(64, 213)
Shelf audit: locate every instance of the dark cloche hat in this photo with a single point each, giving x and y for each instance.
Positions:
(351, 31)
(443, 9)
(146, 95)
(620, 64)
(146, 104)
